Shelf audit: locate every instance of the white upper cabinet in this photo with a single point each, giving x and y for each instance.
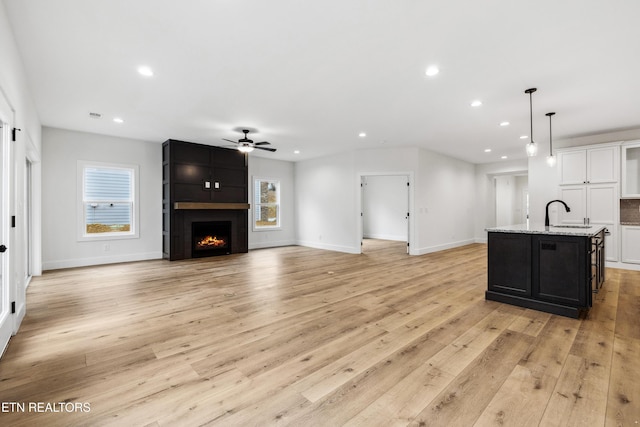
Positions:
(631, 170)
(589, 166)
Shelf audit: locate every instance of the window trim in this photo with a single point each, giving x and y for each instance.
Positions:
(134, 232)
(255, 205)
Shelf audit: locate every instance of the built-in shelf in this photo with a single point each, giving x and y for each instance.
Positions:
(210, 206)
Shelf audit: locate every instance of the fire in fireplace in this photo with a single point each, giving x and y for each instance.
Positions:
(210, 238)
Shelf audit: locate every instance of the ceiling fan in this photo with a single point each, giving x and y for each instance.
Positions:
(246, 145)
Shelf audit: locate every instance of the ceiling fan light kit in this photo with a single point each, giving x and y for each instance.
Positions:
(245, 148)
(246, 145)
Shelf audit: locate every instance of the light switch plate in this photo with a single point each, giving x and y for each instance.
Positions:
(207, 184)
(216, 185)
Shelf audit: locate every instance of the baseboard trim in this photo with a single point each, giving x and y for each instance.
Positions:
(336, 248)
(438, 248)
(85, 262)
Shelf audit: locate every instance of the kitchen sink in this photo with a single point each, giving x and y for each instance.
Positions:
(571, 226)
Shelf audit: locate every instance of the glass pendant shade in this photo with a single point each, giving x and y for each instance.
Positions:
(551, 161)
(532, 149)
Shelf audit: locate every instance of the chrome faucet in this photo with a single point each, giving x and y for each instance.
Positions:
(546, 215)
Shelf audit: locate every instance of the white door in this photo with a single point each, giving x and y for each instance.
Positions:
(6, 321)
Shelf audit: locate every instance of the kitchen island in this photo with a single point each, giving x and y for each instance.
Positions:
(555, 269)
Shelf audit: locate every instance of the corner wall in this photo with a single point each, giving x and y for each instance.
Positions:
(283, 171)
(61, 150)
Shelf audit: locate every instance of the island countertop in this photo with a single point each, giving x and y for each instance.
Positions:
(586, 231)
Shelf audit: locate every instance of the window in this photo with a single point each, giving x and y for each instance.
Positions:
(108, 201)
(266, 197)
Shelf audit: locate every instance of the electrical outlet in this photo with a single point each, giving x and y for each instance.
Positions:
(216, 185)
(106, 247)
(207, 185)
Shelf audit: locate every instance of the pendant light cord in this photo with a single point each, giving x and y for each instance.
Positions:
(550, 143)
(550, 137)
(531, 114)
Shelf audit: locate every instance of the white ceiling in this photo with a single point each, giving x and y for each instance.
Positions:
(311, 76)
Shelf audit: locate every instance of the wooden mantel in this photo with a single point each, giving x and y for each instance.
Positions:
(206, 205)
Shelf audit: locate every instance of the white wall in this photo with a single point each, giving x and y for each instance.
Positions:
(445, 202)
(326, 192)
(61, 149)
(441, 198)
(260, 167)
(385, 204)
(543, 187)
(15, 92)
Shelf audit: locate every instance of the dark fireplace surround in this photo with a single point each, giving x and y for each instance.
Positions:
(203, 185)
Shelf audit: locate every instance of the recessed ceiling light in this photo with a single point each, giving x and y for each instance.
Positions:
(524, 137)
(476, 103)
(145, 71)
(296, 151)
(118, 120)
(362, 134)
(504, 123)
(503, 157)
(487, 150)
(432, 71)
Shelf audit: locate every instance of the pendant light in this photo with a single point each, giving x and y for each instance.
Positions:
(532, 147)
(551, 160)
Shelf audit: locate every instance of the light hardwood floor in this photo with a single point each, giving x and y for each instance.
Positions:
(304, 337)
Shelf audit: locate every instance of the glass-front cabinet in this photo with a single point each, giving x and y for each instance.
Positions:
(631, 169)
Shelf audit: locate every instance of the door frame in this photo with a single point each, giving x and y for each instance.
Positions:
(410, 204)
(7, 116)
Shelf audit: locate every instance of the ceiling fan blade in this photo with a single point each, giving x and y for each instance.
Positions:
(266, 149)
(262, 143)
(228, 140)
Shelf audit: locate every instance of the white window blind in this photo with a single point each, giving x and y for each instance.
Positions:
(108, 201)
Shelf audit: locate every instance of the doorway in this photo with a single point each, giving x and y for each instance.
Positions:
(511, 199)
(385, 211)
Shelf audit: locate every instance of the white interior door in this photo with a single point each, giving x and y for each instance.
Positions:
(6, 321)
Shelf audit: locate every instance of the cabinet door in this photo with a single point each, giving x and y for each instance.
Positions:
(560, 272)
(509, 263)
(631, 171)
(611, 240)
(602, 203)
(602, 164)
(631, 244)
(575, 197)
(572, 167)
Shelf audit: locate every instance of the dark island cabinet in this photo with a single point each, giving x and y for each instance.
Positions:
(510, 260)
(560, 269)
(548, 272)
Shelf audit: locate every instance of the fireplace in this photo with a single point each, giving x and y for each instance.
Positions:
(203, 184)
(210, 238)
